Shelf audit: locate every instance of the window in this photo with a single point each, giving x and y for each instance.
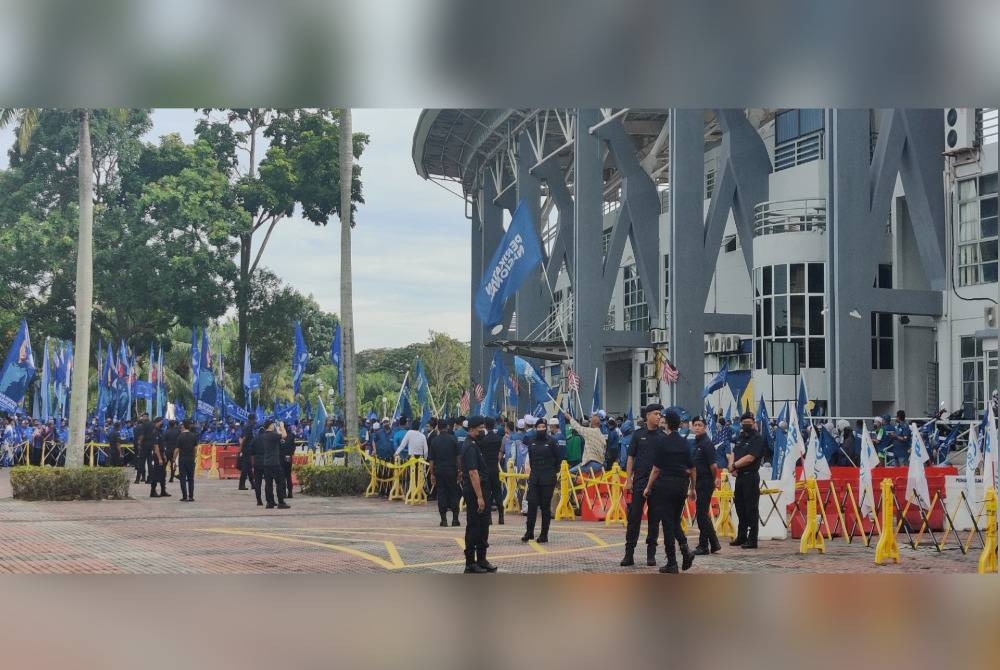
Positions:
(798, 137)
(788, 307)
(882, 336)
(986, 126)
(729, 244)
(709, 184)
(561, 312)
(977, 230)
(636, 309)
(979, 370)
(605, 241)
(609, 321)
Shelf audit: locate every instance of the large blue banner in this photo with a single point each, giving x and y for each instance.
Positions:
(516, 256)
(18, 371)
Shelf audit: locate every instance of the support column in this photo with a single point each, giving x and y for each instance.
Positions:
(848, 207)
(588, 321)
(476, 274)
(687, 232)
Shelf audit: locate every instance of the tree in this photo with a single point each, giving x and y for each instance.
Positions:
(346, 286)
(299, 167)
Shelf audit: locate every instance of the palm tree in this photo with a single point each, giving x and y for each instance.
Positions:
(346, 287)
(27, 119)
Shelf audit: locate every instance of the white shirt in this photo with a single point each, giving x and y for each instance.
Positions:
(415, 442)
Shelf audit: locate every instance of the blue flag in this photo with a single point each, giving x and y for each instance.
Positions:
(299, 358)
(717, 382)
(258, 413)
(195, 362)
(489, 401)
(423, 385)
(18, 371)
(179, 412)
(46, 382)
(425, 416)
(802, 402)
(143, 389)
(595, 403)
(316, 434)
(251, 379)
(206, 399)
(336, 348)
(765, 422)
(516, 256)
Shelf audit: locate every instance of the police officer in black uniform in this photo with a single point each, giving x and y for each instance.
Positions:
(477, 497)
(187, 447)
(492, 448)
(170, 436)
(747, 452)
(244, 456)
(671, 481)
(641, 452)
(287, 451)
(115, 446)
(158, 461)
(443, 456)
(542, 466)
(267, 462)
(706, 481)
(142, 445)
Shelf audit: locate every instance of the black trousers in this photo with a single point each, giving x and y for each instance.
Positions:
(286, 469)
(273, 478)
(448, 493)
(246, 472)
(257, 480)
(186, 475)
(34, 456)
(746, 499)
(496, 493)
(477, 529)
(634, 519)
(169, 464)
(668, 500)
(706, 530)
(155, 475)
(141, 458)
(539, 497)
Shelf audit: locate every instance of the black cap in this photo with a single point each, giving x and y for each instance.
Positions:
(653, 407)
(475, 421)
(746, 415)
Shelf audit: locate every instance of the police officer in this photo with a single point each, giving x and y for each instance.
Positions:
(142, 446)
(158, 460)
(707, 480)
(492, 447)
(747, 454)
(641, 451)
(671, 482)
(477, 497)
(243, 457)
(542, 465)
(267, 462)
(287, 451)
(443, 456)
(115, 446)
(187, 446)
(170, 436)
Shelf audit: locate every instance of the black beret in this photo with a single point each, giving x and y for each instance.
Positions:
(746, 415)
(653, 407)
(475, 421)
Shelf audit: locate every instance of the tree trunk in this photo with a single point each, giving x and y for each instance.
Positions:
(346, 287)
(84, 300)
(243, 302)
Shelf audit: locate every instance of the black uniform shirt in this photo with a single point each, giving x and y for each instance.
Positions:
(267, 449)
(248, 432)
(543, 457)
(187, 444)
(144, 435)
(287, 448)
(443, 453)
(472, 459)
(704, 457)
(113, 439)
(672, 457)
(491, 446)
(749, 443)
(642, 450)
(170, 439)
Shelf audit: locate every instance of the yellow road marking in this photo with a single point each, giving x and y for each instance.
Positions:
(461, 542)
(537, 547)
(336, 547)
(598, 541)
(394, 555)
(550, 552)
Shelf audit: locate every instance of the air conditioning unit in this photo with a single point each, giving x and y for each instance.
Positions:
(959, 128)
(732, 343)
(647, 370)
(708, 344)
(658, 336)
(650, 386)
(718, 344)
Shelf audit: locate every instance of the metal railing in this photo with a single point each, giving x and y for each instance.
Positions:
(800, 150)
(789, 216)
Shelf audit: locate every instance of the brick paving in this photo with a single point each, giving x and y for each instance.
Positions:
(224, 532)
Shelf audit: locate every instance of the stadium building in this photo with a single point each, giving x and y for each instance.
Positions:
(854, 248)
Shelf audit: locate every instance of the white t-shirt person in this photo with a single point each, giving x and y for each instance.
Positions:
(414, 442)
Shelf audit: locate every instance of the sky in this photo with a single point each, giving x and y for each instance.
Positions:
(411, 245)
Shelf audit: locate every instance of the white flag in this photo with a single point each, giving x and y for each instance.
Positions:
(973, 455)
(990, 452)
(916, 478)
(794, 449)
(815, 464)
(869, 460)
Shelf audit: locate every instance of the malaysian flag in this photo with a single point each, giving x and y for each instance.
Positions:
(669, 373)
(480, 392)
(463, 404)
(573, 380)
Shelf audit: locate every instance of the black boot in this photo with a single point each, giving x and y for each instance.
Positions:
(738, 542)
(629, 556)
(544, 535)
(650, 555)
(669, 568)
(444, 520)
(471, 567)
(687, 557)
(716, 547)
(500, 515)
(483, 563)
(701, 551)
(455, 521)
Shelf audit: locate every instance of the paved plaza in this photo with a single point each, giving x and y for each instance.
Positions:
(225, 532)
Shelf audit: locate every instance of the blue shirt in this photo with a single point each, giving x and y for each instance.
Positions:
(383, 447)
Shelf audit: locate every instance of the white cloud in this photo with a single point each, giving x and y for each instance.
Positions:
(411, 246)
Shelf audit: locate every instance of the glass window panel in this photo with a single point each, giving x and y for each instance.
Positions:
(989, 273)
(797, 278)
(988, 227)
(987, 207)
(968, 211)
(979, 347)
(758, 331)
(810, 120)
(767, 318)
(968, 371)
(988, 184)
(797, 304)
(766, 281)
(988, 251)
(969, 393)
(780, 279)
(781, 316)
(967, 189)
(756, 354)
(815, 315)
(967, 231)
(874, 321)
(968, 347)
(885, 325)
(786, 126)
(800, 345)
(756, 280)
(874, 353)
(816, 278)
(817, 353)
(885, 353)
(885, 275)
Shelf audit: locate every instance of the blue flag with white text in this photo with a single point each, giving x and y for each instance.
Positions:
(18, 371)
(299, 358)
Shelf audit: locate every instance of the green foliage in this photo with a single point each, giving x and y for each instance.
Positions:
(332, 480)
(46, 483)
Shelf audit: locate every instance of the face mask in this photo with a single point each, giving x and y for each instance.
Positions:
(542, 432)
(747, 429)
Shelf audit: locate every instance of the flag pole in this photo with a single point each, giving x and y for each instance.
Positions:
(400, 397)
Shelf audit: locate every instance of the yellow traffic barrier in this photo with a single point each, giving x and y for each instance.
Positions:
(887, 547)
(988, 558)
(812, 536)
(724, 526)
(213, 471)
(415, 493)
(396, 492)
(513, 480)
(616, 505)
(564, 510)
